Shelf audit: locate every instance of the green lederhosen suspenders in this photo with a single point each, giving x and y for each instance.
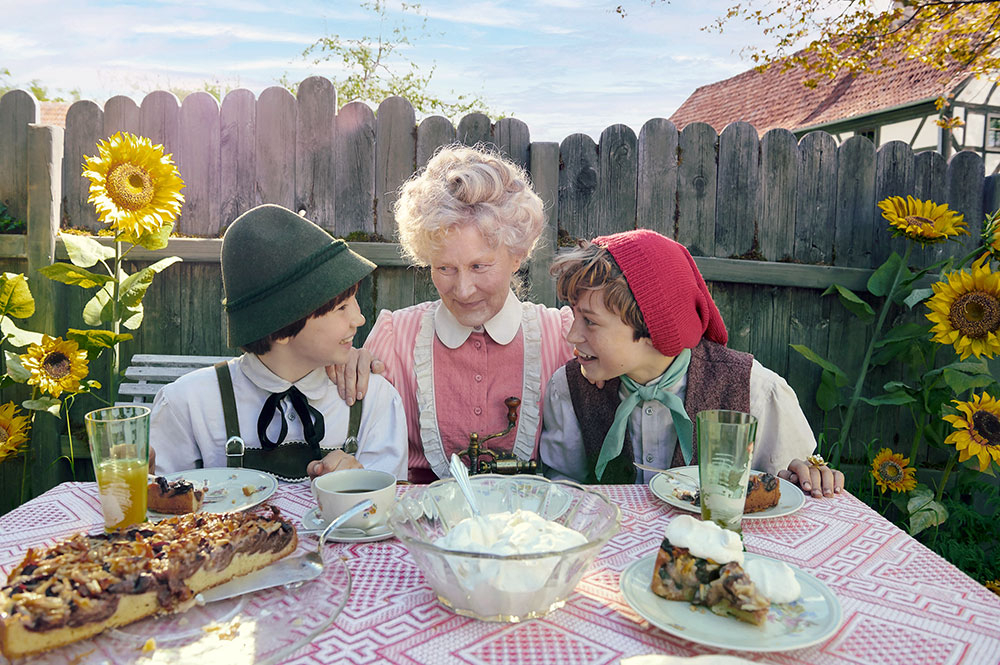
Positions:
(289, 460)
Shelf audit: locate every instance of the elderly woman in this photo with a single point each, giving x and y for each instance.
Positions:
(472, 217)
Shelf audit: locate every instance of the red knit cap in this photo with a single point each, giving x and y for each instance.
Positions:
(669, 289)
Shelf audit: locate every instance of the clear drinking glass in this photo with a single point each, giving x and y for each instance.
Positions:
(119, 447)
(725, 448)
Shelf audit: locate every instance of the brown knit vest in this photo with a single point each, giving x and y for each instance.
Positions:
(717, 378)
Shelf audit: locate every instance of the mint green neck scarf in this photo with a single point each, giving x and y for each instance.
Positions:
(637, 394)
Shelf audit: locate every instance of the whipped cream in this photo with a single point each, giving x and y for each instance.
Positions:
(705, 539)
(507, 587)
(774, 579)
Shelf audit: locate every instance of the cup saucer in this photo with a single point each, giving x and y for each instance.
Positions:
(312, 520)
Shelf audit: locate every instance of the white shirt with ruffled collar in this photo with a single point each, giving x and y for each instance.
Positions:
(502, 328)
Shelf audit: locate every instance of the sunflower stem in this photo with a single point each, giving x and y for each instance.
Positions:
(69, 434)
(115, 325)
(845, 429)
(944, 476)
(917, 438)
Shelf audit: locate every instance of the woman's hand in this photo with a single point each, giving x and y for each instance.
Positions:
(351, 378)
(335, 461)
(814, 476)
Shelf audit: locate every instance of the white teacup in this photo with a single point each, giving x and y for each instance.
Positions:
(337, 491)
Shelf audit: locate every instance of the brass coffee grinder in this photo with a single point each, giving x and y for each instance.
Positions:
(484, 460)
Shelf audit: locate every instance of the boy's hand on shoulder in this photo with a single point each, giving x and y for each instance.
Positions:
(335, 461)
(351, 378)
(819, 480)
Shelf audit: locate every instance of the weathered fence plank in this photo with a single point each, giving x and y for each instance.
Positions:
(895, 174)
(964, 183)
(697, 187)
(121, 114)
(779, 171)
(84, 128)
(315, 170)
(854, 237)
(545, 181)
(475, 128)
(395, 158)
(197, 159)
(656, 190)
(617, 179)
(277, 117)
(354, 144)
(432, 133)
(17, 109)
(514, 140)
(237, 155)
(578, 176)
(736, 199)
(159, 119)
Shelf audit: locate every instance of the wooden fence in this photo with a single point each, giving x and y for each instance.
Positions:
(771, 221)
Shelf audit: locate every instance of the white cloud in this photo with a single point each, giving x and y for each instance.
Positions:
(238, 32)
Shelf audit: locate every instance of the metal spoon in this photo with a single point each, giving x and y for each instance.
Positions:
(461, 475)
(678, 478)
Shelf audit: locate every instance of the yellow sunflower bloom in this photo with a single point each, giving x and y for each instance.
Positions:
(133, 185)
(56, 365)
(977, 430)
(965, 309)
(13, 431)
(922, 221)
(994, 586)
(892, 472)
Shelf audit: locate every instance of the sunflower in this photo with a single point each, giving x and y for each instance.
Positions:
(922, 221)
(13, 431)
(977, 430)
(55, 365)
(993, 585)
(966, 310)
(133, 185)
(891, 472)
(991, 235)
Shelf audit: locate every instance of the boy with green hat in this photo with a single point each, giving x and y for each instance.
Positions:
(291, 307)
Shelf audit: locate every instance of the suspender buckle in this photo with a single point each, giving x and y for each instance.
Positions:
(350, 445)
(234, 452)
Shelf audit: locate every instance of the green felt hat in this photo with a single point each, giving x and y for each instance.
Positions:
(277, 268)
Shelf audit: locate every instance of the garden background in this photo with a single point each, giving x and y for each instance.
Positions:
(772, 221)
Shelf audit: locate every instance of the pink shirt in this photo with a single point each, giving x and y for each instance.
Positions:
(442, 388)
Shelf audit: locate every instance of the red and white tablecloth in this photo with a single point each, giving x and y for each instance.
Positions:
(902, 603)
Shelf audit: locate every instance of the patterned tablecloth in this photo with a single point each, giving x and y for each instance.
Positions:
(902, 603)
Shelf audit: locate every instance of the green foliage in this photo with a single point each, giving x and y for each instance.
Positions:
(9, 224)
(377, 68)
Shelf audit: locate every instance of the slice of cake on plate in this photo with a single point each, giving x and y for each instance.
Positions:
(701, 563)
(85, 584)
(173, 497)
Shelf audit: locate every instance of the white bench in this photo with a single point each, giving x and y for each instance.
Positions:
(149, 372)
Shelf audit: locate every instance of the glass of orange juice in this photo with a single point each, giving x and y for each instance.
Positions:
(119, 447)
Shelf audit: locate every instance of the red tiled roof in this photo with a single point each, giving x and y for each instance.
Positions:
(54, 113)
(773, 98)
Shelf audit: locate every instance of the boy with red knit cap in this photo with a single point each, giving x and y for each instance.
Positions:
(647, 326)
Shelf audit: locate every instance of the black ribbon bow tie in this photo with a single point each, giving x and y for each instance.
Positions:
(313, 427)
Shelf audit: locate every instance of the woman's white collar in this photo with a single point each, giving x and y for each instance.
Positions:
(502, 328)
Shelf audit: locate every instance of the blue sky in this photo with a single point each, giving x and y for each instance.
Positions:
(561, 66)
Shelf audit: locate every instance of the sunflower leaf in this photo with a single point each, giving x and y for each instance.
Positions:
(84, 251)
(133, 318)
(917, 296)
(134, 286)
(961, 382)
(852, 302)
(154, 240)
(814, 357)
(15, 370)
(95, 341)
(67, 273)
(18, 337)
(827, 394)
(904, 332)
(881, 280)
(15, 296)
(889, 399)
(98, 309)
(924, 511)
(43, 403)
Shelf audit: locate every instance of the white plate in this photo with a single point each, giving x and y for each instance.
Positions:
(313, 520)
(813, 618)
(792, 498)
(227, 486)
(263, 627)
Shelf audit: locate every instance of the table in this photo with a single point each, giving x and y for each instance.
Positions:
(902, 603)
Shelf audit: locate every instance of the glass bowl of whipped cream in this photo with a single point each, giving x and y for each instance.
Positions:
(521, 558)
